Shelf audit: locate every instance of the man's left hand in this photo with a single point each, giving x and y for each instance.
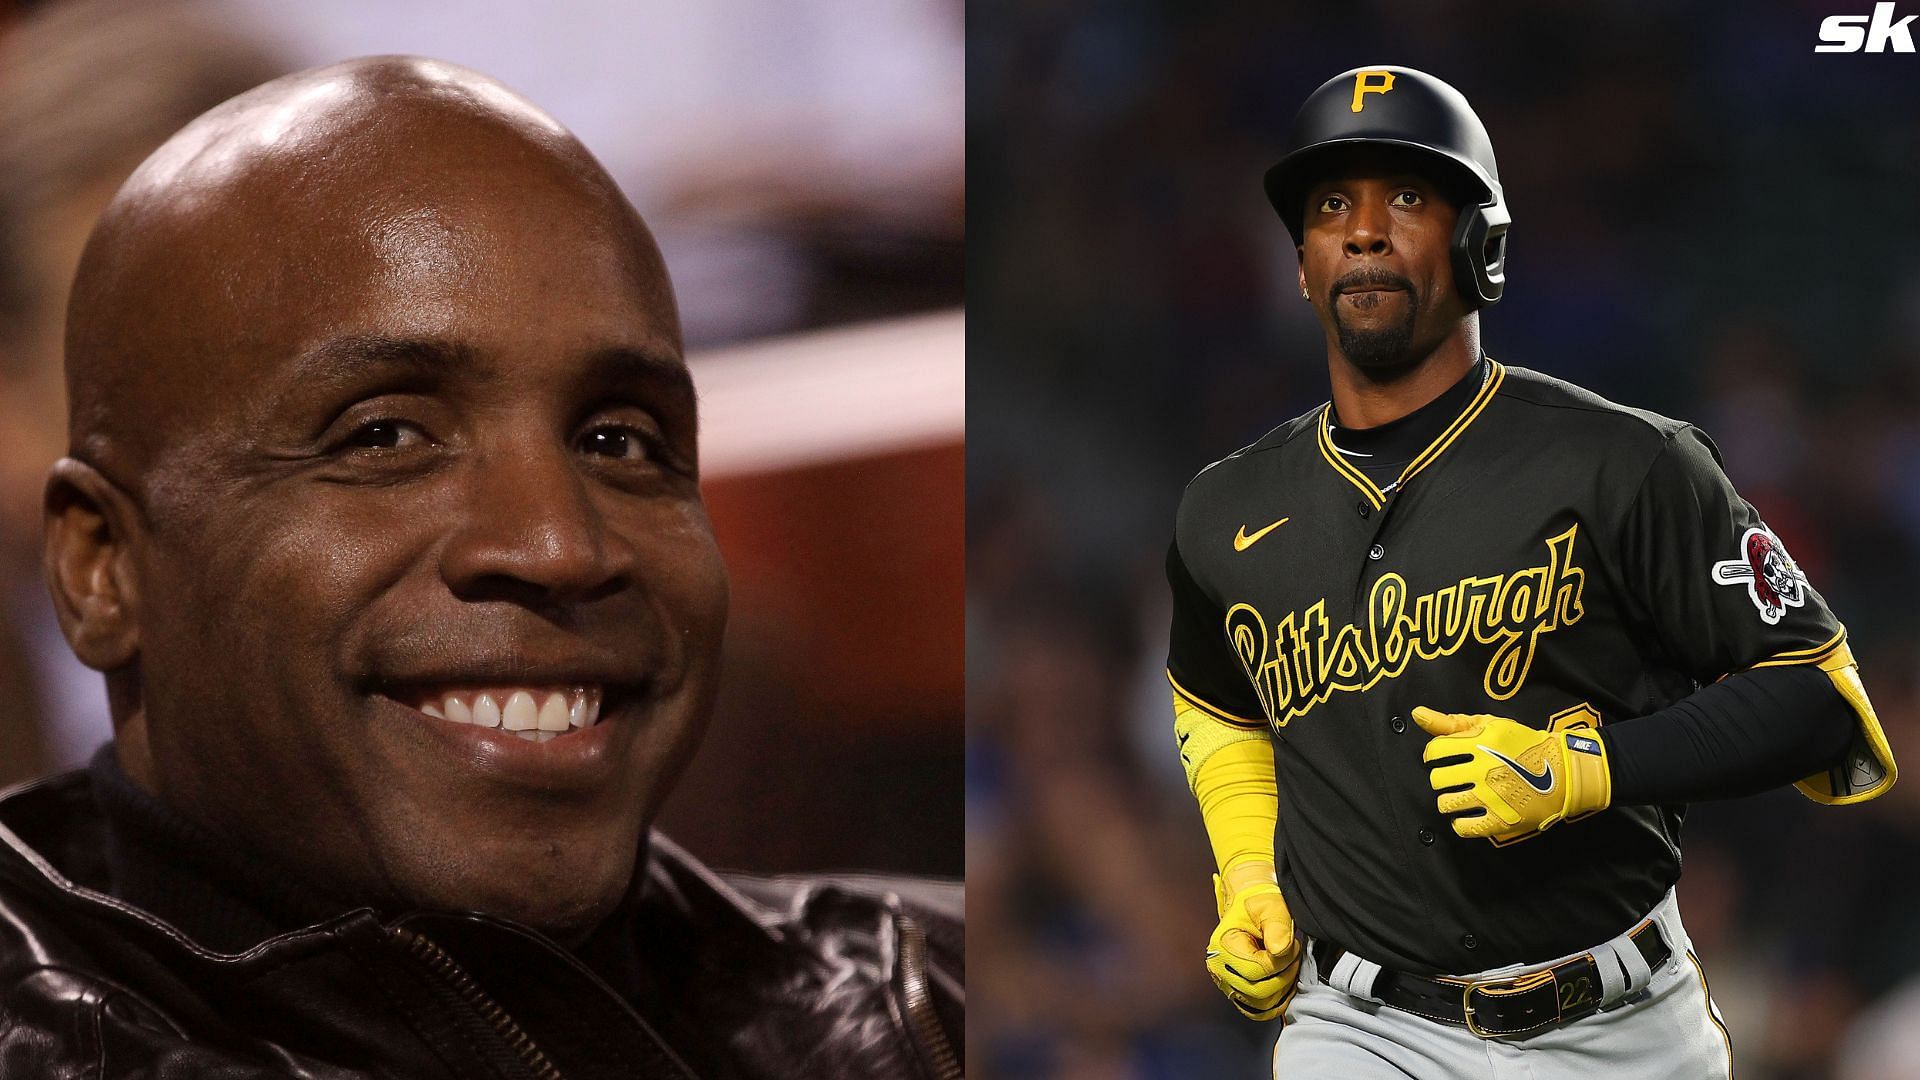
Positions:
(1504, 780)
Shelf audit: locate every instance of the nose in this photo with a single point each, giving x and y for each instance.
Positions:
(529, 533)
(1369, 230)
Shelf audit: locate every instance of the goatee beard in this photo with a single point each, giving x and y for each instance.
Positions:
(1379, 351)
(1384, 351)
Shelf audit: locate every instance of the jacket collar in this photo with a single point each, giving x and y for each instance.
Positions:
(693, 974)
(55, 840)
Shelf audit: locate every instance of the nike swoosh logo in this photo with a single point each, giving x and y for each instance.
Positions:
(1241, 541)
(1541, 782)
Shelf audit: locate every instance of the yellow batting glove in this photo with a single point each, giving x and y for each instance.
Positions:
(1253, 955)
(1509, 781)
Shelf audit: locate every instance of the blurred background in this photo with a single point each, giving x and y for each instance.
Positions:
(1710, 220)
(801, 166)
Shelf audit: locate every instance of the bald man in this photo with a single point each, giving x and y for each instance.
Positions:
(382, 520)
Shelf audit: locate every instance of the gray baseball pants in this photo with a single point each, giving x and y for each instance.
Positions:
(1673, 1032)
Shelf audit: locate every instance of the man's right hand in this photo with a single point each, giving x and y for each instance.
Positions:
(1253, 955)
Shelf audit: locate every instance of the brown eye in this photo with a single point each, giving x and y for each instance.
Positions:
(615, 442)
(384, 435)
(1332, 204)
(1407, 198)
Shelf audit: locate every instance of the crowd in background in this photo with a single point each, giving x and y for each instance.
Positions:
(800, 167)
(1710, 221)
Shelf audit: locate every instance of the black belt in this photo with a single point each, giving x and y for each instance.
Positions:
(1493, 1008)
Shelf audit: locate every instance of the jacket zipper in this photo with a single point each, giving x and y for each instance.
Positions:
(924, 1025)
(456, 977)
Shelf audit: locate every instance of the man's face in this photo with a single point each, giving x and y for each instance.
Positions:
(1376, 260)
(457, 463)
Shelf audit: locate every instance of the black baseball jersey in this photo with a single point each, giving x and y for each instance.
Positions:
(1551, 557)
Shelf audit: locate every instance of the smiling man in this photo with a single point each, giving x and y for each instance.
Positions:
(382, 518)
(1452, 652)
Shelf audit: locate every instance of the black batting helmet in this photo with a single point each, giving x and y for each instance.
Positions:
(1396, 106)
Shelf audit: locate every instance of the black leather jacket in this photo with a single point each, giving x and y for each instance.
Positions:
(742, 977)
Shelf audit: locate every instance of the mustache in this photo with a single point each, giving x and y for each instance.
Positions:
(1375, 276)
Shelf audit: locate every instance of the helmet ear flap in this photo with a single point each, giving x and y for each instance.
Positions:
(1480, 253)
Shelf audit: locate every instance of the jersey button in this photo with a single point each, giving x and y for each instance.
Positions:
(1365, 509)
(1376, 553)
(1469, 941)
(1398, 725)
(1425, 835)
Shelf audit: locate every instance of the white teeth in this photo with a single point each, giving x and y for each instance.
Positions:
(585, 707)
(521, 714)
(553, 712)
(485, 712)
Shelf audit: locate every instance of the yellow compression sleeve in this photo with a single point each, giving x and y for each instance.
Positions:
(1232, 775)
(1869, 769)
(1240, 803)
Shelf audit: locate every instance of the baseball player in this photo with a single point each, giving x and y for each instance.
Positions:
(1451, 653)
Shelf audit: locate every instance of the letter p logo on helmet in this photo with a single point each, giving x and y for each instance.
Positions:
(1370, 82)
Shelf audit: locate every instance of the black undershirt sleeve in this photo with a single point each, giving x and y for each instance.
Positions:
(1745, 734)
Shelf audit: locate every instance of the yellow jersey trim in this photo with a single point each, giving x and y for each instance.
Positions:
(1460, 423)
(1495, 373)
(1354, 476)
(1812, 654)
(1214, 711)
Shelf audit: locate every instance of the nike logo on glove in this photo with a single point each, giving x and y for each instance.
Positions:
(1541, 782)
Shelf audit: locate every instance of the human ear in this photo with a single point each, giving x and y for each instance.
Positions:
(91, 527)
(1301, 252)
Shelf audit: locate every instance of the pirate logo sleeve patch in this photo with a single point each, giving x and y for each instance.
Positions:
(1774, 582)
